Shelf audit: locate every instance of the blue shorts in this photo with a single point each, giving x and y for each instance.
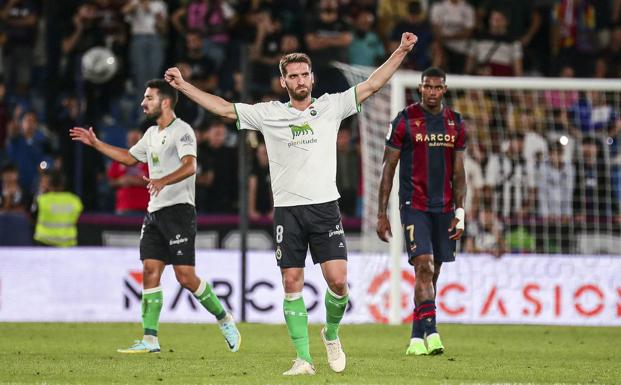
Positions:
(427, 233)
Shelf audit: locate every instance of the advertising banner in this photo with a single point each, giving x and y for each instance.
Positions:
(105, 284)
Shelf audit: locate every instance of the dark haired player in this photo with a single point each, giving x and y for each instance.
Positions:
(169, 228)
(429, 139)
(300, 137)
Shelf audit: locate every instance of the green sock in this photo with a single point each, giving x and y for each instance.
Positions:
(335, 308)
(152, 302)
(209, 300)
(296, 318)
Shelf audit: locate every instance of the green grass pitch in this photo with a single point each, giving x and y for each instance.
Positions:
(66, 353)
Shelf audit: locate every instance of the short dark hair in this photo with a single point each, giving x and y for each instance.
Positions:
(555, 146)
(57, 180)
(433, 72)
(588, 139)
(295, 57)
(9, 167)
(165, 90)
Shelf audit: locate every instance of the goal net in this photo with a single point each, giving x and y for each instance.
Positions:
(542, 162)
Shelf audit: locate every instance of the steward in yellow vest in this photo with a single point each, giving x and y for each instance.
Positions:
(57, 214)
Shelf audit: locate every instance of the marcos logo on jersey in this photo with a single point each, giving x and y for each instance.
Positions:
(304, 129)
(437, 139)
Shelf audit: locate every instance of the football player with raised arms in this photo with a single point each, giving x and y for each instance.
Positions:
(300, 137)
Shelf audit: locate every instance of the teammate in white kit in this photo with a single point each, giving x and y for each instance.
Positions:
(169, 228)
(300, 137)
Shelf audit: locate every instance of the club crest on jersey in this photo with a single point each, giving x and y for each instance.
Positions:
(278, 253)
(313, 112)
(304, 129)
(451, 123)
(417, 123)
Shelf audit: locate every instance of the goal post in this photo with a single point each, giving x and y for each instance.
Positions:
(547, 115)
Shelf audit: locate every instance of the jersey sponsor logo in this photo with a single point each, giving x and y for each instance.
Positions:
(155, 159)
(338, 231)
(178, 240)
(445, 140)
(187, 139)
(304, 129)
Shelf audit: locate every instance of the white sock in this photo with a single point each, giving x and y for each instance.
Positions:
(152, 340)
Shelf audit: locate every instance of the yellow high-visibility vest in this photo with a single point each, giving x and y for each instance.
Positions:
(57, 219)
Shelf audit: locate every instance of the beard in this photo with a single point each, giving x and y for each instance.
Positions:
(154, 114)
(298, 94)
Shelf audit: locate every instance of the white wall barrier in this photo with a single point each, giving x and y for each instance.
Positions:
(104, 284)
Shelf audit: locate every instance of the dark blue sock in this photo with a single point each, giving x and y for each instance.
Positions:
(417, 326)
(427, 316)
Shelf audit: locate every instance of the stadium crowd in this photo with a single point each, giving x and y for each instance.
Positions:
(521, 180)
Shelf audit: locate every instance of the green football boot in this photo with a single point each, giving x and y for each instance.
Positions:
(417, 348)
(434, 344)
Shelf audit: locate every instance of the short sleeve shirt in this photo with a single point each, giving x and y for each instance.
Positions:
(301, 145)
(163, 150)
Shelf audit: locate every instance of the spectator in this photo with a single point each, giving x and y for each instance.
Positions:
(57, 213)
(453, 24)
(474, 178)
(365, 48)
(12, 197)
(495, 53)
(512, 182)
(259, 188)
(485, 233)
(555, 186)
(574, 34)
(524, 21)
(562, 99)
(593, 115)
(347, 172)
(27, 148)
(204, 71)
(389, 12)
(148, 21)
(594, 200)
(327, 40)
(20, 18)
(265, 51)
(519, 239)
(132, 197)
(213, 18)
(217, 175)
(612, 53)
(87, 32)
(417, 23)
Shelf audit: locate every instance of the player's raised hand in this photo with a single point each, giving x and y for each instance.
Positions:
(173, 77)
(383, 228)
(408, 41)
(80, 134)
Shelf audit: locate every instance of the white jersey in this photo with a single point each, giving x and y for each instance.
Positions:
(301, 145)
(163, 150)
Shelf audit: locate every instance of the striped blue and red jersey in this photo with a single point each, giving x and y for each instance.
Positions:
(427, 143)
